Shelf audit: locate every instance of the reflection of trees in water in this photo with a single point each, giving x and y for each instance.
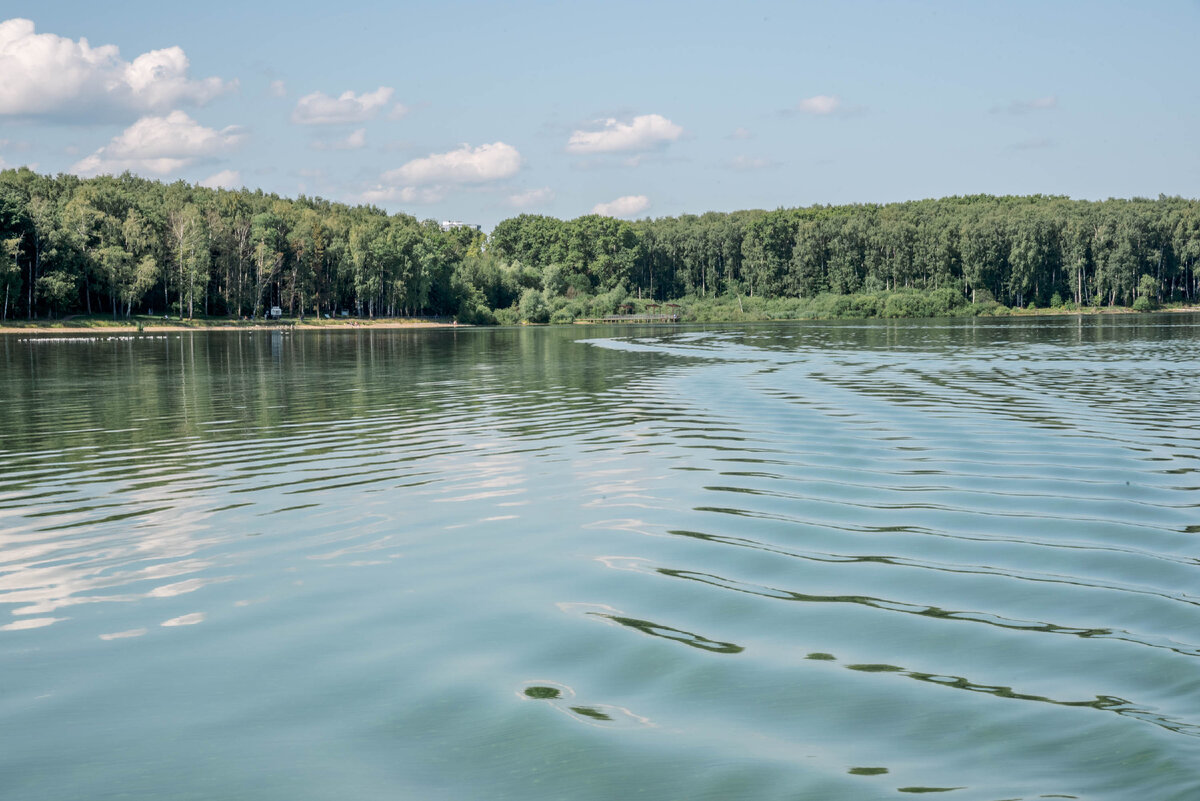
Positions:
(1106, 702)
(128, 449)
(678, 635)
(124, 393)
(910, 608)
(560, 697)
(594, 714)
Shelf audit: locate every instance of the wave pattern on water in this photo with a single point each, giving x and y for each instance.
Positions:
(815, 560)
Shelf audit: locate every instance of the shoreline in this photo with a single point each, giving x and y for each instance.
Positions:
(50, 327)
(101, 327)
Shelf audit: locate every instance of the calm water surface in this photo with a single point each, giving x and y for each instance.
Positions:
(810, 561)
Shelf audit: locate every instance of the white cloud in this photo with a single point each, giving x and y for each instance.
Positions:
(356, 140)
(466, 165)
(321, 109)
(532, 197)
(50, 76)
(626, 206)
(429, 180)
(277, 89)
(405, 194)
(225, 179)
(159, 145)
(740, 133)
(819, 104)
(641, 133)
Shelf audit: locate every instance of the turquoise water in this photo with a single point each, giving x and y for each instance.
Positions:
(802, 561)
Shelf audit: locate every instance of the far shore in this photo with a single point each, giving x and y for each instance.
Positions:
(153, 325)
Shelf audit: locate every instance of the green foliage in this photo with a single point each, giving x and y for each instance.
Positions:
(508, 316)
(533, 308)
(472, 306)
(907, 304)
(1147, 289)
(946, 302)
(126, 245)
(989, 308)
(609, 302)
(57, 288)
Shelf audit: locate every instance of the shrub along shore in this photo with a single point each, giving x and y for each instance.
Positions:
(715, 310)
(120, 247)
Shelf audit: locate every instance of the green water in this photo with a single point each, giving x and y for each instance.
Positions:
(805, 561)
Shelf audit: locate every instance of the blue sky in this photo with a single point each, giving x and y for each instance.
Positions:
(478, 111)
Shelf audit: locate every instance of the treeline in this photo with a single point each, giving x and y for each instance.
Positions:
(1018, 250)
(125, 245)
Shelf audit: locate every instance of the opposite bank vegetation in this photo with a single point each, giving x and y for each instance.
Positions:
(124, 246)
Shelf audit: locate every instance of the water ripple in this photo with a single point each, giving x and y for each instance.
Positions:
(827, 560)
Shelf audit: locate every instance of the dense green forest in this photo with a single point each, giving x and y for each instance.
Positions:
(125, 245)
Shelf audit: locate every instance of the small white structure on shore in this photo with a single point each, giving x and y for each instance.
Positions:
(448, 224)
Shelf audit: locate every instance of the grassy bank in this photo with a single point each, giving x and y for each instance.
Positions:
(888, 305)
(725, 309)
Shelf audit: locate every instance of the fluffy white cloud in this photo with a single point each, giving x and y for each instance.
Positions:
(159, 145)
(45, 75)
(532, 197)
(641, 133)
(819, 104)
(321, 109)
(626, 206)
(356, 140)
(277, 89)
(429, 180)
(740, 133)
(466, 165)
(225, 179)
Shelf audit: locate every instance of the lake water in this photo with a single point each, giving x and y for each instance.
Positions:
(795, 561)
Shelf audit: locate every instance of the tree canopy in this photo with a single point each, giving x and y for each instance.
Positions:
(120, 245)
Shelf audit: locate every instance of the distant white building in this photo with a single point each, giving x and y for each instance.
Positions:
(448, 224)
